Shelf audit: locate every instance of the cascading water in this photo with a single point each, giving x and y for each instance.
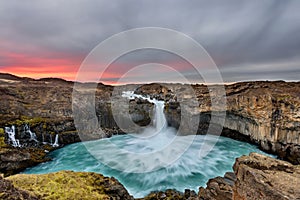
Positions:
(159, 119)
(43, 139)
(11, 136)
(28, 137)
(141, 162)
(31, 134)
(55, 144)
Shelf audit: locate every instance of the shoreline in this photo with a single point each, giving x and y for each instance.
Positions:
(232, 186)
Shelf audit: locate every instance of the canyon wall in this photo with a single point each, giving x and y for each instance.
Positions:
(264, 113)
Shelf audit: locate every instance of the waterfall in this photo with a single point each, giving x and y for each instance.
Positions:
(56, 141)
(11, 136)
(32, 134)
(159, 120)
(43, 139)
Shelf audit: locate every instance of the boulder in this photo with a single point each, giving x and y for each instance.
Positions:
(262, 177)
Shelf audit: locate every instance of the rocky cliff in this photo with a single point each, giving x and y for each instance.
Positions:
(264, 113)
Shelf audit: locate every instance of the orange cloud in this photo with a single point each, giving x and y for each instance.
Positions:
(36, 63)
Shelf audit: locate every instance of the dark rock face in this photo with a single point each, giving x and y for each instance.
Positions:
(14, 160)
(262, 177)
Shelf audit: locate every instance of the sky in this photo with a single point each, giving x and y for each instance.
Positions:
(248, 40)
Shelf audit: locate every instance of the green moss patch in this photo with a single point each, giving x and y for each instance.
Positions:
(31, 121)
(66, 185)
(2, 142)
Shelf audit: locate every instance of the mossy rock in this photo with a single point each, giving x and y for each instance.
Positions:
(70, 185)
(2, 138)
(44, 126)
(2, 142)
(32, 121)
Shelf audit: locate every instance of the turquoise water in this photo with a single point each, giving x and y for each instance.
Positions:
(188, 171)
(155, 159)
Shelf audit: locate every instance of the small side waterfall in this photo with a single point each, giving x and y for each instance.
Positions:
(31, 134)
(11, 136)
(28, 138)
(55, 144)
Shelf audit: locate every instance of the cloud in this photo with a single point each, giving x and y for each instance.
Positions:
(238, 34)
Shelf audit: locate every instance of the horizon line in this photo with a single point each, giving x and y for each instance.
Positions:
(137, 83)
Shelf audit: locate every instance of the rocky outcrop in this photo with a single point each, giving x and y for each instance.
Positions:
(219, 188)
(262, 177)
(70, 185)
(255, 177)
(14, 160)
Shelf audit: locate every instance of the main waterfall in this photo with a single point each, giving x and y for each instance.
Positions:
(159, 120)
(155, 159)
